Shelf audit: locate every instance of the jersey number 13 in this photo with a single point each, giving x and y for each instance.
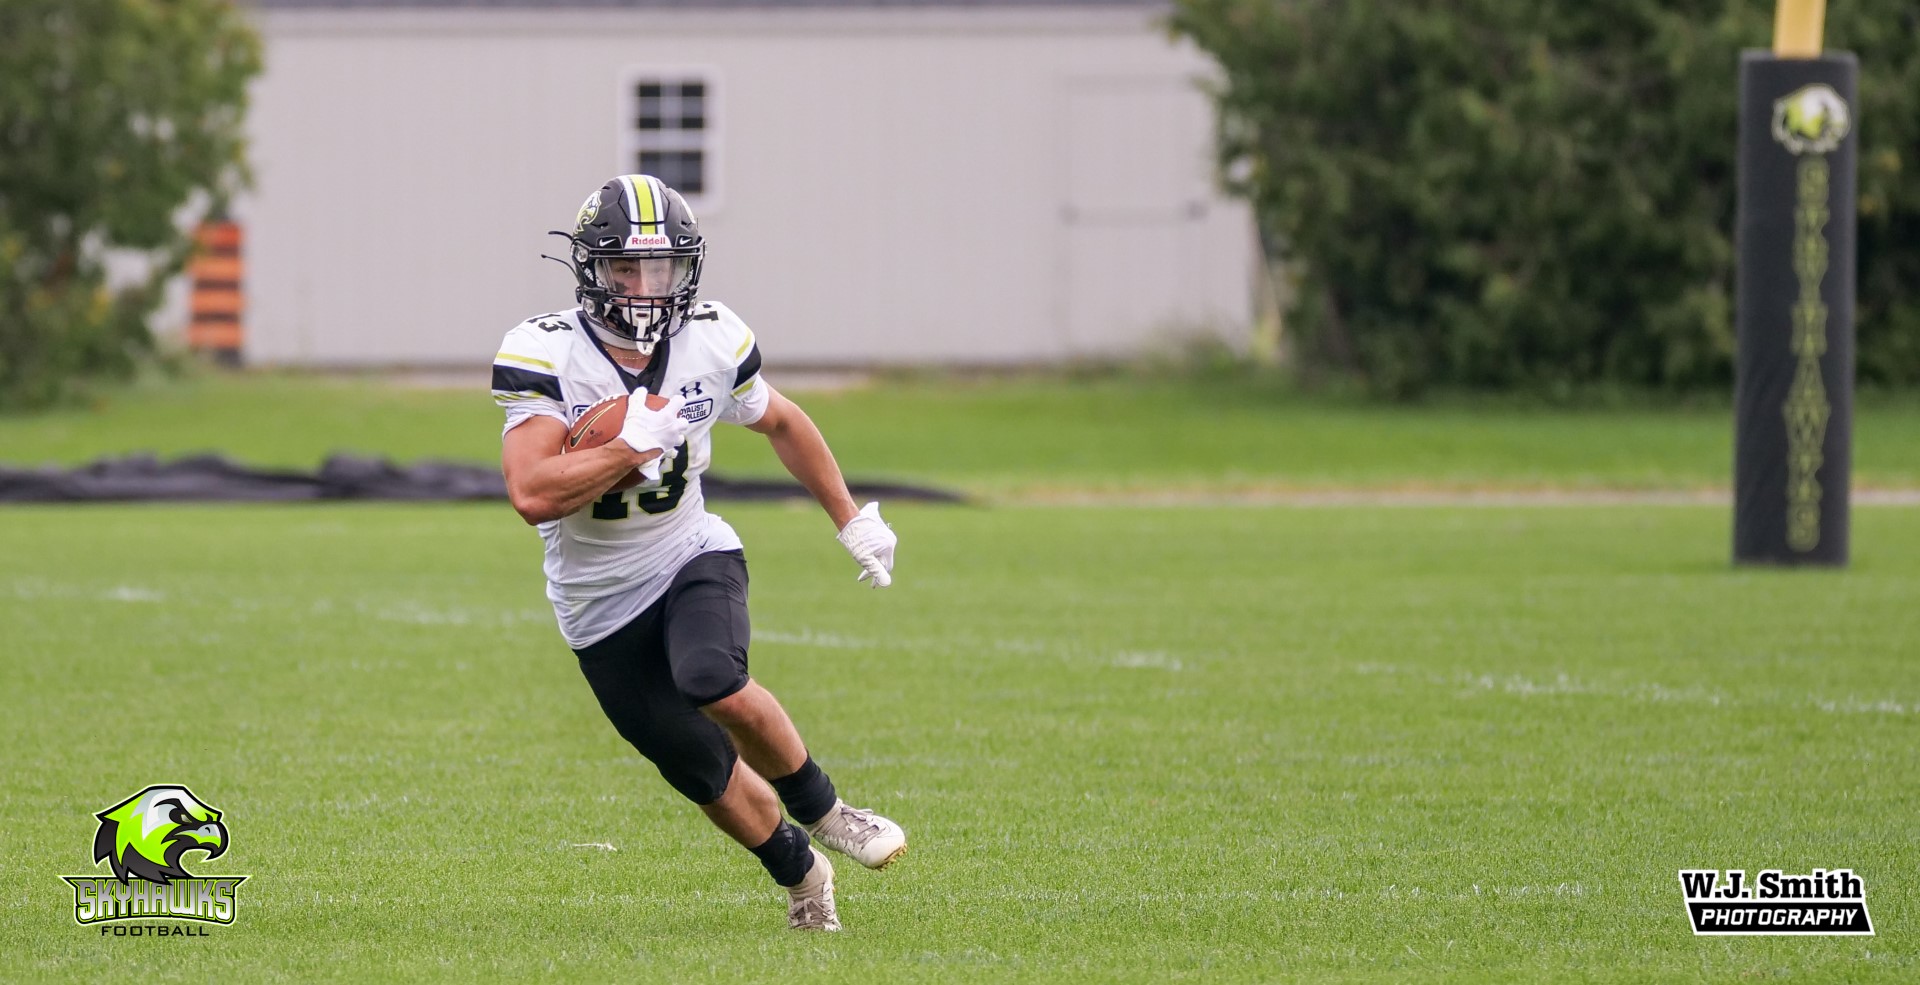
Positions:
(652, 500)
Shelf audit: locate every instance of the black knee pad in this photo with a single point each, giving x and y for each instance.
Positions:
(692, 753)
(709, 673)
(700, 778)
(706, 628)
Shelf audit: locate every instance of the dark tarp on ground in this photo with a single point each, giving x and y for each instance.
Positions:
(209, 478)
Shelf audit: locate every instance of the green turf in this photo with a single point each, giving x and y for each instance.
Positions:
(1212, 745)
(1004, 438)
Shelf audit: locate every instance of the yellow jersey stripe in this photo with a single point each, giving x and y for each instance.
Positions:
(744, 346)
(522, 360)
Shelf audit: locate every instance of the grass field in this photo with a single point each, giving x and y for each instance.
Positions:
(1019, 439)
(1130, 743)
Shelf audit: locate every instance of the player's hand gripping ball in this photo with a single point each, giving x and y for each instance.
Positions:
(600, 424)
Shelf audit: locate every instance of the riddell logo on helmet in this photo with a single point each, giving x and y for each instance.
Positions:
(639, 242)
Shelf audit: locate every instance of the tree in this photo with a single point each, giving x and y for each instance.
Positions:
(1496, 193)
(120, 125)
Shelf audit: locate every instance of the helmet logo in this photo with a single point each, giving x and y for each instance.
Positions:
(588, 210)
(639, 242)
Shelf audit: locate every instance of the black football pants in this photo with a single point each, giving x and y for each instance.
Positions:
(686, 650)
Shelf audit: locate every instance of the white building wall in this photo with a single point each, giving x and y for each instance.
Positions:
(895, 186)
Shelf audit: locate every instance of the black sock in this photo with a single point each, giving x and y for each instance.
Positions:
(786, 855)
(807, 792)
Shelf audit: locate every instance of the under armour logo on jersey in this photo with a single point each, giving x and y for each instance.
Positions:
(690, 390)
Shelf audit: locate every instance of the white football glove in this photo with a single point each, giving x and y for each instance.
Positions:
(871, 542)
(648, 430)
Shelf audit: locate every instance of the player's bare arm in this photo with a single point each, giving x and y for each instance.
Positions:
(803, 450)
(547, 485)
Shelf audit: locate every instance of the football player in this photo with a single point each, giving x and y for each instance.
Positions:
(649, 588)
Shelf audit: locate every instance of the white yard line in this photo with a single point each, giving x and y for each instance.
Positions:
(1068, 653)
(1470, 684)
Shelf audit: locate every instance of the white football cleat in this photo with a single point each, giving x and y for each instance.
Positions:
(810, 904)
(860, 834)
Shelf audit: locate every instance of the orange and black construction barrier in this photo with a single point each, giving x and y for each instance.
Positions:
(217, 272)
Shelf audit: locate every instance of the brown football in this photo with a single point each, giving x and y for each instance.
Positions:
(600, 424)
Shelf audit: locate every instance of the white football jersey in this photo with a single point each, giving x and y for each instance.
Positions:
(615, 556)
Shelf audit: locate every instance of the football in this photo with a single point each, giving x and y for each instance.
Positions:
(600, 424)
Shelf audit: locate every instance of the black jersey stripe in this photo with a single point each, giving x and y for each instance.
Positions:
(515, 380)
(748, 367)
(656, 368)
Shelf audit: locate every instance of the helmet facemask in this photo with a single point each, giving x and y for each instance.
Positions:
(638, 299)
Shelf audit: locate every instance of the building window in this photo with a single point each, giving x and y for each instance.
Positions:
(669, 131)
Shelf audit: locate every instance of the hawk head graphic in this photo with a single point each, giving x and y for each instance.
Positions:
(1812, 118)
(146, 834)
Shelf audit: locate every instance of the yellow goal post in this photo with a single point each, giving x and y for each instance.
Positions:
(1798, 28)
